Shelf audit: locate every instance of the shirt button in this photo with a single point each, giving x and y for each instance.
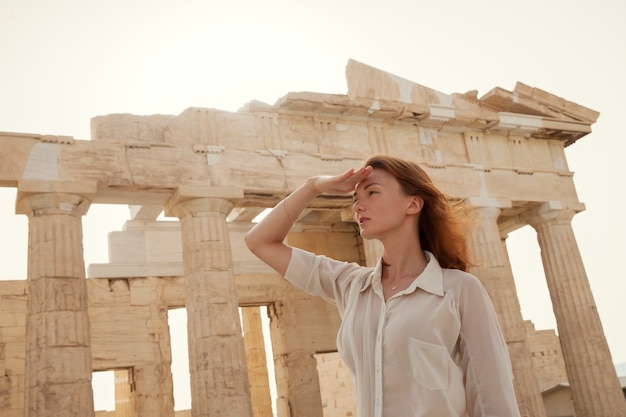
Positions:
(378, 369)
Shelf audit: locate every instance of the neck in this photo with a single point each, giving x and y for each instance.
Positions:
(403, 258)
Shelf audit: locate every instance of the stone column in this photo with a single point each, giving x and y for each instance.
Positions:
(495, 273)
(217, 361)
(153, 395)
(153, 390)
(595, 387)
(257, 363)
(58, 346)
(300, 327)
(124, 403)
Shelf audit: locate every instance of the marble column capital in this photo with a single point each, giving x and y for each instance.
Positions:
(549, 212)
(487, 213)
(487, 209)
(198, 207)
(195, 200)
(40, 197)
(48, 203)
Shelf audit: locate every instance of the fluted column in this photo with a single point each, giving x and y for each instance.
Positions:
(494, 271)
(300, 327)
(257, 362)
(595, 387)
(217, 362)
(58, 347)
(124, 401)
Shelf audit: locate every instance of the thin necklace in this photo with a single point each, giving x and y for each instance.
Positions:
(394, 286)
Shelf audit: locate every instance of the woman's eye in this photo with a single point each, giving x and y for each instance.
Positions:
(372, 192)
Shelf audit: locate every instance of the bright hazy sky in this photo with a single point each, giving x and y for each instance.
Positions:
(66, 61)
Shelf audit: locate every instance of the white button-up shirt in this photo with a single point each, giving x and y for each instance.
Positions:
(432, 350)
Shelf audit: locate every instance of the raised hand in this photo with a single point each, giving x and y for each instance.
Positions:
(343, 183)
(267, 238)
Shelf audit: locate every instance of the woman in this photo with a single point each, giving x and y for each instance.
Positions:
(418, 332)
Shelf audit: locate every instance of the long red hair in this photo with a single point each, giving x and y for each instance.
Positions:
(441, 228)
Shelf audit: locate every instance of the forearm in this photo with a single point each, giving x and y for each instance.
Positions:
(273, 228)
(266, 238)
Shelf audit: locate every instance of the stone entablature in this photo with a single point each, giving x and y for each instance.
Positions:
(142, 159)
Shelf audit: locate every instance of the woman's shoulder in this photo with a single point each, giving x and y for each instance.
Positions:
(320, 274)
(458, 279)
(307, 260)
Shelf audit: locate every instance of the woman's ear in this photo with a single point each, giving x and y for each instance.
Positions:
(415, 205)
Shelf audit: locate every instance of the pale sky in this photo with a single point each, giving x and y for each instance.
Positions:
(66, 61)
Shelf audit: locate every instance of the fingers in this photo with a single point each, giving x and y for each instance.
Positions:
(342, 183)
(356, 176)
(363, 172)
(349, 179)
(346, 175)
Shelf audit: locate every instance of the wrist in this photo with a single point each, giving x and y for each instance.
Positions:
(312, 186)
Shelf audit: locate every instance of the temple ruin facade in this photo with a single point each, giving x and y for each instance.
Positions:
(213, 172)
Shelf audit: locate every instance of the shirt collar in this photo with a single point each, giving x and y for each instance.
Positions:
(430, 280)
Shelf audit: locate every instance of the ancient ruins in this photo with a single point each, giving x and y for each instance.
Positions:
(502, 154)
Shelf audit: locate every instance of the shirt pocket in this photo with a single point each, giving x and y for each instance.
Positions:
(429, 364)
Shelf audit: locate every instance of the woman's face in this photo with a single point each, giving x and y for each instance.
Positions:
(380, 205)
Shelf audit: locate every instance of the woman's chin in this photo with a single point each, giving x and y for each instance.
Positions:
(366, 235)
